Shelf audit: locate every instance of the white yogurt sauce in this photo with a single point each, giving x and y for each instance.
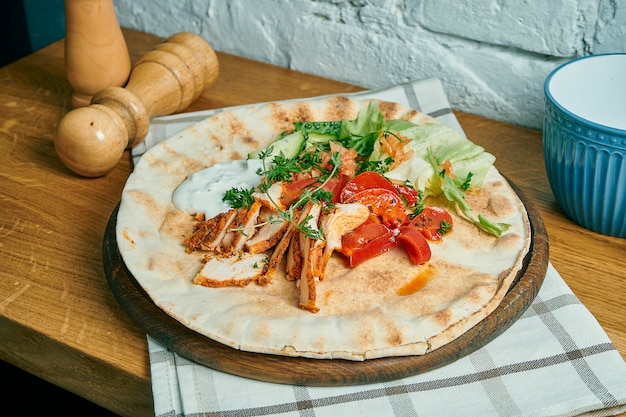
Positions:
(203, 191)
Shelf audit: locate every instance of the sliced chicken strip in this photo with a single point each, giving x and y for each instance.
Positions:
(293, 267)
(279, 252)
(272, 198)
(242, 228)
(339, 221)
(209, 233)
(227, 271)
(311, 252)
(268, 235)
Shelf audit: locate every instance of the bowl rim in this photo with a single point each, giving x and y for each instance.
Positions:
(597, 126)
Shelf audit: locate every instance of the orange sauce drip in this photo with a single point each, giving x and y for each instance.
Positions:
(418, 282)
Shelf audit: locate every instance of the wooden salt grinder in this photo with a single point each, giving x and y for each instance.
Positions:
(91, 140)
(96, 55)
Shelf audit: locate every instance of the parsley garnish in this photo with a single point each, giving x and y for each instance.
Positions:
(444, 227)
(379, 167)
(468, 180)
(281, 169)
(418, 207)
(239, 197)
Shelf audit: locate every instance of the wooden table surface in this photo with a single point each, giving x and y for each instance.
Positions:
(59, 319)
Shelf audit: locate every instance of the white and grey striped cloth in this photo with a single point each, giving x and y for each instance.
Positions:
(554, 361)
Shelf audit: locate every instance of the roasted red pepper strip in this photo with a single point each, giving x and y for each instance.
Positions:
(415, 244)
(410, 194)
(361, 245)
(433, 223)
(388, 201)
(362, 235)
(335, 185)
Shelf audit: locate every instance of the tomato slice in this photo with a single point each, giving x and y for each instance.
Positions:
(293, 190)
(368, 241)
(415, 244)
(335, 185)
(365, 181)
(433, 223)
(410, 194)
(384, 203)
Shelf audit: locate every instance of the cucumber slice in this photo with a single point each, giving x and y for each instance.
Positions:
(315, 139)
(290, 146)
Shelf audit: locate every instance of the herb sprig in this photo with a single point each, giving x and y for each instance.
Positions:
(239, 197)
(282, 169)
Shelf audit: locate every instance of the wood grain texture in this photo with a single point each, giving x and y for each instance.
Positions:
(91, 140)
(58, 317)
(96, 55)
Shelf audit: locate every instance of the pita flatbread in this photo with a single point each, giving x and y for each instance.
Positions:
(362, 315)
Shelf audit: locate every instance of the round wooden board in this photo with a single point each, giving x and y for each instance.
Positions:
(319, 372)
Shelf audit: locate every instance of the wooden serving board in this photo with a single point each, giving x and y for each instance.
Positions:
(320, 372)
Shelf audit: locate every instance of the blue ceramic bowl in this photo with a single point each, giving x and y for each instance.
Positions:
(584, 141)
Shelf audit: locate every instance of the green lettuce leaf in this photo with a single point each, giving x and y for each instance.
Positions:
(456, 194)
(433, 144)
(362, 132)
(444, 143)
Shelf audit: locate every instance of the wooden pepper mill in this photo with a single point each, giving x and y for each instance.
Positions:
(91, 140)
(96, 55)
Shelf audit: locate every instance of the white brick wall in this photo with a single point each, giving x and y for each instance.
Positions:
(491, 55)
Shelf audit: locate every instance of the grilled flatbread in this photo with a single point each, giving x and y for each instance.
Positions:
(365, 312)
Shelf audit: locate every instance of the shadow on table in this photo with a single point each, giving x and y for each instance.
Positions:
(28, 395)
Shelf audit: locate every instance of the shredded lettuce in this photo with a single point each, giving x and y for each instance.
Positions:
(362, 132)
(455, 193)
(397, 125)
(445, 143)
